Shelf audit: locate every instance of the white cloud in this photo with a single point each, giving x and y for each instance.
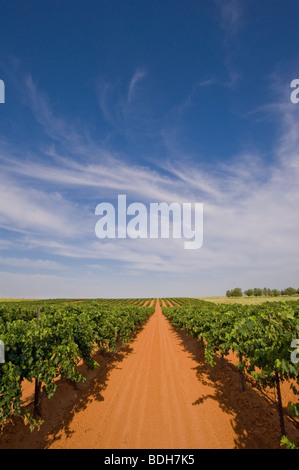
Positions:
(27, 209)
(231, 15)
(250, 223)
(125, 109)
(248, 209)
(28, 263)
(138, 75)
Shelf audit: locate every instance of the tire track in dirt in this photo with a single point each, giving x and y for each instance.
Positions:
(132, 390)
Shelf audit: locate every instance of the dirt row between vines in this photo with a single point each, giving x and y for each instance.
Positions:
(155, 393)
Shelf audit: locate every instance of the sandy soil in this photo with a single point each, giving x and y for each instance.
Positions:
(156, 393)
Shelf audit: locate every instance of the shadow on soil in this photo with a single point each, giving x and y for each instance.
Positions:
(69, 398)
(254, 419)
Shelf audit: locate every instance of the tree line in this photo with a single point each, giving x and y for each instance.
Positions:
(257, 292)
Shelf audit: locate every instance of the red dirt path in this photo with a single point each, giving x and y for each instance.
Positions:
(157, 393)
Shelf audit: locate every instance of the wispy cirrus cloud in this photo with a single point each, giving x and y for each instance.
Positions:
(249, 206)
(137, 77)
(118, 105)
(26, 209)
(55, 127)
(29, 263)
(127, 106)
(231, 15)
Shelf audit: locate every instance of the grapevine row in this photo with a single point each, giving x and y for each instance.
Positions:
(47, 342)
(260, 335)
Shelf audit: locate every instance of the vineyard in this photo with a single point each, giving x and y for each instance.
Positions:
(45, 341)
(261, 337)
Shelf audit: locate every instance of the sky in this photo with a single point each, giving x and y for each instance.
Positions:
(184, 101)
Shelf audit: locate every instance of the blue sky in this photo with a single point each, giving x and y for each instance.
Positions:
(163, 101)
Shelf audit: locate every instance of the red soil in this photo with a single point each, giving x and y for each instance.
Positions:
(156, 393)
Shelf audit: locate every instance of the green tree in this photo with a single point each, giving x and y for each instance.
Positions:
(275, 292)
(257, 291)
(236, 292)
(248, 292)
(290, 291)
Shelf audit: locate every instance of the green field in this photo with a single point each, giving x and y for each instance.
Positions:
(217, 299)
(250, 300)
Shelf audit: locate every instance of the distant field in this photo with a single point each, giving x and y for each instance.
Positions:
(220, 299)
(249, 300)
(15, 300)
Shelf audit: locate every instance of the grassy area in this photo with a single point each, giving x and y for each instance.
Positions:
(15, 300)
(249, 300)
